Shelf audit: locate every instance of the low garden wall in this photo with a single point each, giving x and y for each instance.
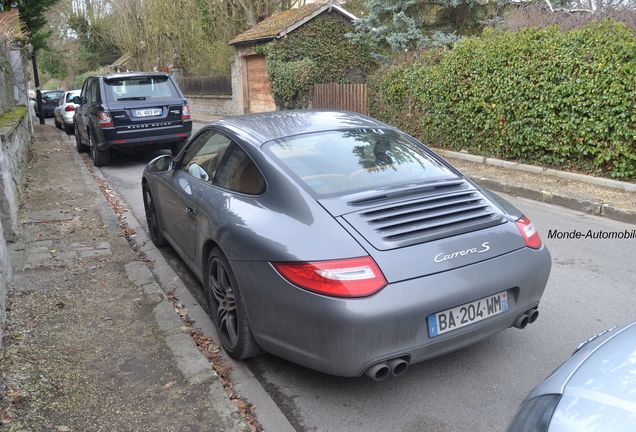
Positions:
(203, 107)
(15, 138)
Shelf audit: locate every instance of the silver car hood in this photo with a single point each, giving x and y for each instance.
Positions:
(601, 393)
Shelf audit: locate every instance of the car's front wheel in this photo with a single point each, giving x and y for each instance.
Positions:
(151, 218)
(227, 308)
(99, 157)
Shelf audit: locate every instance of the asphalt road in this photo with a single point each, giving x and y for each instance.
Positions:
(592, 288)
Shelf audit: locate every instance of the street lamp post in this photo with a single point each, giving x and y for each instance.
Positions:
(38, 93)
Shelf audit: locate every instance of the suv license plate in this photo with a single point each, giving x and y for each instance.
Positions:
(466, 314)
(148, 112)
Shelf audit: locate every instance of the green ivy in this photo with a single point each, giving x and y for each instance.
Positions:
(562, 99)
(317, 52)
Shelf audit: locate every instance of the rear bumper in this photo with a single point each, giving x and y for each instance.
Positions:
(346, 336)
(149, 138)
(67, 116)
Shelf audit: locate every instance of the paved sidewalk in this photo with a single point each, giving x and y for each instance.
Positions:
(91, 343)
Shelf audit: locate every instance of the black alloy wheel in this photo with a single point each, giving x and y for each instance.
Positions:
(151, 219)
(227, 308)
(99, 157)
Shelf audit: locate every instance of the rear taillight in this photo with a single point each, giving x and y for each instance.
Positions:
(529, 233)
(69, 108)
(353, 277)
(185, 113)
(105, 120)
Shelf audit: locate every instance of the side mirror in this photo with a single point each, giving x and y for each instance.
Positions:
(161, 164)
(78, 100)
(197, 171)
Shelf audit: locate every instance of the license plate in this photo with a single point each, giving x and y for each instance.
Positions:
(466, 314)
(148, 112)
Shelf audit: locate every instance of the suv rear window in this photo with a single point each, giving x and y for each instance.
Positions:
(139, 88)
(346, 161)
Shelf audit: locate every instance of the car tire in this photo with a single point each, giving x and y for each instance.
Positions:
(79, 145)
(227, 308)
(174, 148)
(57, 124)
(68, 129)
(151, 218)
(99, 157)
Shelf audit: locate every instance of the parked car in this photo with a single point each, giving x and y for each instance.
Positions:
(65, 110)
(593, 391)
(50, 99)
(341, 243)
(130, 112)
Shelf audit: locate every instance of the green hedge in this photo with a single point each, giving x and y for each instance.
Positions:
(539, 96)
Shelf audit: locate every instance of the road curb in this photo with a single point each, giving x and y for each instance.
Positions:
(192, 364)
(593, 207)
(598, 181)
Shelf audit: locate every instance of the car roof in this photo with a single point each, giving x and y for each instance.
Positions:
(133, 75)
(263, 127)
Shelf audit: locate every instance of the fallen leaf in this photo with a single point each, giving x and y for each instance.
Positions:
(14, 394)
(170, 384)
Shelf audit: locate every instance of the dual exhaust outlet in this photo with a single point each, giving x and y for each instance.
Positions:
(397, 366)
(528, 317)
(381, 371)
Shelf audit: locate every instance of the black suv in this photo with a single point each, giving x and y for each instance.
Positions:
(130, 111)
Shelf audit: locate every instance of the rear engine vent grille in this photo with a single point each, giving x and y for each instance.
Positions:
(425, 219)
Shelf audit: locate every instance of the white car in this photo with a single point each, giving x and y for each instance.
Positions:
(65, 110)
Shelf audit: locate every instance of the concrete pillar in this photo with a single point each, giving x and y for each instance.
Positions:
(19, 76)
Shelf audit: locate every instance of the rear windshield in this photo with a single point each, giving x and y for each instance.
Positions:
(71, 95)
(341, 162)
(139, 88)
(52, 95)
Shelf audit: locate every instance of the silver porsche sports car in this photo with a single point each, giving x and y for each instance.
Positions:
(341, 243)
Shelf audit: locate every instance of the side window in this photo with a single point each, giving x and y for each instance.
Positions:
(92, 96)
(84, 92)
(239, 173)
(204, 155)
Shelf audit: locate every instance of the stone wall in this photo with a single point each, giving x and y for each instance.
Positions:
(14, 145)
(204, 107)
(6, 80)
(16, 131)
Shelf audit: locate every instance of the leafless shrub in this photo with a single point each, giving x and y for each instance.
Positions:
(539, 15)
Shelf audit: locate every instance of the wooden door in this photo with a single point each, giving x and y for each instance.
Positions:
(259, 95)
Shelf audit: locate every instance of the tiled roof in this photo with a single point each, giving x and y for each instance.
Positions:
(281, 22)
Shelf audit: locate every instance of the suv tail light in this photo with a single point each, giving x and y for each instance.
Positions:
(69, 108)
(105, 120)
(185, 113)
(529, 233)
(353, 277)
